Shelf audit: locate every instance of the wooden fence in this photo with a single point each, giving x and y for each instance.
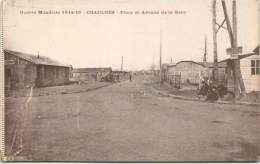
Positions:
(174, 79)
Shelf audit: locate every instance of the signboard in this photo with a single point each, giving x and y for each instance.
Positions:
(234, 56)
(234, 52)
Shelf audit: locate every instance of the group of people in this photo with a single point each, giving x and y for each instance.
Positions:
(116, 77)
(112, 76)
(100, 75)
(213, 91)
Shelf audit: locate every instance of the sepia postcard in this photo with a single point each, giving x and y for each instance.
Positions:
(130, 80)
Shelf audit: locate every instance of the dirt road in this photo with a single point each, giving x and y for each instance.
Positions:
(128, 122)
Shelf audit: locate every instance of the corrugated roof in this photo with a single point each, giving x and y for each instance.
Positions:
(189, 61)
(41, 60)
(207, 64)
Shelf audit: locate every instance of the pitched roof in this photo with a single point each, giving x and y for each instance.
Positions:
(256, 50)
(240, 57)
(190, 61)
(41, 60)
(207, 64)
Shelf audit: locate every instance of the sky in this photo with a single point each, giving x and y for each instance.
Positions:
(100, 40)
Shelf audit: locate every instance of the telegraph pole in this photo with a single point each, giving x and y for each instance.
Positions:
(235, 50)
(122, 62)
(160, 57)
(234, 18)
(229, 28)
(205, 51)
(238, 76)
(215, 52)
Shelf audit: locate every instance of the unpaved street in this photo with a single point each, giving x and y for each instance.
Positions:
(128, 121)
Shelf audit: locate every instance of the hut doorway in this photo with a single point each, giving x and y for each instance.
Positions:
(8, 84)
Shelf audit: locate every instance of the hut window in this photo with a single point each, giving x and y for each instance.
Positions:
(255, 67)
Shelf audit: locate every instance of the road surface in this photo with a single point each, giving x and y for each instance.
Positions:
(127, 121)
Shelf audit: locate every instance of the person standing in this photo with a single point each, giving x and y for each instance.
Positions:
(117, 77)
(130, 76)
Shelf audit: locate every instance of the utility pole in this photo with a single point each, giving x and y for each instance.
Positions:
(234, 18)
(238, 76)
(205, 51)
(215, 52)
(171, 60)
(238, 81)
(229, 28)
(160, 57)
(122, 62)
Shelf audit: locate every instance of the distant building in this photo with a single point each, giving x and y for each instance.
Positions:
(24, 70)
(89, 74)
(209, 71)
(250, 70)
(191, 71)
(122, 73)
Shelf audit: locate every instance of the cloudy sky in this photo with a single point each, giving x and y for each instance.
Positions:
(87, 40)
